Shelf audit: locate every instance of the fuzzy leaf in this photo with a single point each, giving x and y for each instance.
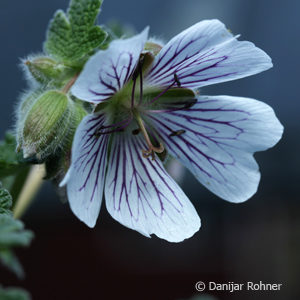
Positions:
(10, 161)
(5, 201)
(12, 234)
(72, 36)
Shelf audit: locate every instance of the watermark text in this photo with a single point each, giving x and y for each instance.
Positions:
(235, 287)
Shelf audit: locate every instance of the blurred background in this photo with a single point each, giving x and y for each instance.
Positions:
(255, 241)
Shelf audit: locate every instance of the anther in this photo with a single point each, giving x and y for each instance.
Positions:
(177, 133)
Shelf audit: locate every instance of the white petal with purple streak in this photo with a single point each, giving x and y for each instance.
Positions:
(204, 54)
(85, 177)
(141, 195)
(221, 135)
(108, 70)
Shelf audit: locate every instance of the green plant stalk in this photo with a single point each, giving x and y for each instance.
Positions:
(32, 184)
(18, 183)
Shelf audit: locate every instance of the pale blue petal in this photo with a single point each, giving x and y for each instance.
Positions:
(85, 177)
(141, 195)
(108, 70)
(219, 135)
(204, 54)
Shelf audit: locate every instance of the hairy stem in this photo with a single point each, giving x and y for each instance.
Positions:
(29, 190)
(67, 87)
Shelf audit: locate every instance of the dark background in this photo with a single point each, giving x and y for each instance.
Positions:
(253, 241)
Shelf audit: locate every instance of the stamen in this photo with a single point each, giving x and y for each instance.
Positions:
(133, 91)
(177, 80)
(141, 78)
(137, 73)
(152, 149)
(177, 133)
(119, 126)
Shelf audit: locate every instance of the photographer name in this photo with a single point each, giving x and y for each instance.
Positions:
(248, 286)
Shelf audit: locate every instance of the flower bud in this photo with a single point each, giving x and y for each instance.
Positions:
(45, 69)
(27, 100)
(49, 125)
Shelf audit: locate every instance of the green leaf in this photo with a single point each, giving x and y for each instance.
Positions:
(13, 294)
(12, 234)
(5, 201)
(10, 161)
(72, 37)
(9, 259)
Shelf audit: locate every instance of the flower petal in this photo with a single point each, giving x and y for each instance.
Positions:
(108, 70)
(204, 54)
(218, 136)
(85, 177)
(141, 195)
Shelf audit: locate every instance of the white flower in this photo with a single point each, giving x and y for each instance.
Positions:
(148, 107)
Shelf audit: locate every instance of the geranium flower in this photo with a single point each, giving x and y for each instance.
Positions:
(147, 107)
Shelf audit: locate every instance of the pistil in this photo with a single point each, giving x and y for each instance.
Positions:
(151, 148)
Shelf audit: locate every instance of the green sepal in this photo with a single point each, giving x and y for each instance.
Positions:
(49, 126)
(48, 71)
(72, 38)
(26, 102)
(59, 163)
(43, 124)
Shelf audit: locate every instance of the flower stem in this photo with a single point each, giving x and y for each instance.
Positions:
(69, 84)
(29, 190)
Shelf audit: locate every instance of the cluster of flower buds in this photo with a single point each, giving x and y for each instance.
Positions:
(47, 116)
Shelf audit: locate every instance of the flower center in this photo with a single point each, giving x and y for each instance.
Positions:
(132, 101)
(151, 148)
